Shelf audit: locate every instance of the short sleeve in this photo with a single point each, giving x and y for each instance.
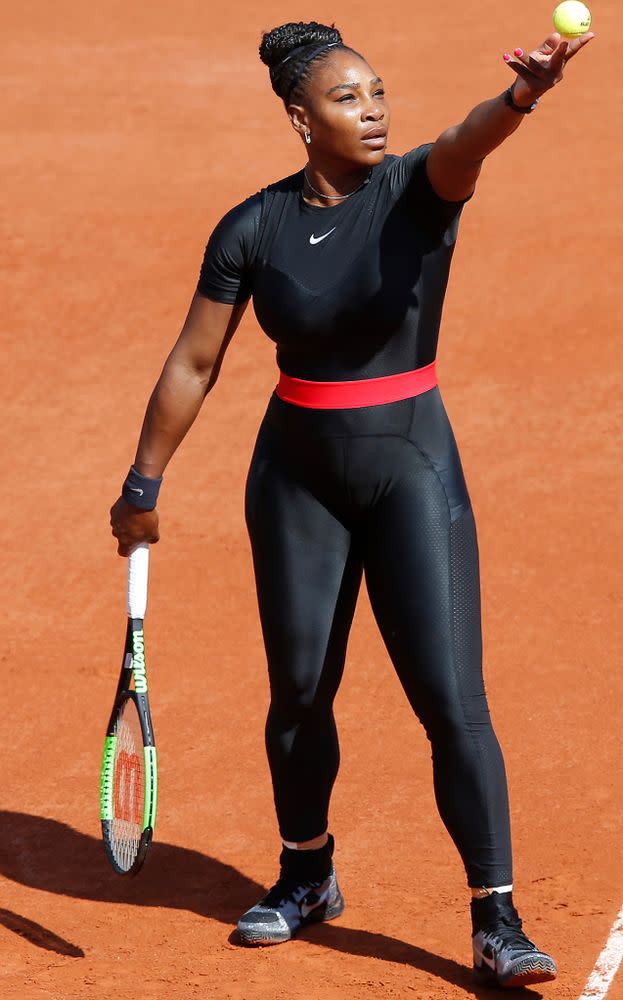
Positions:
(226, 272)
(411, 179)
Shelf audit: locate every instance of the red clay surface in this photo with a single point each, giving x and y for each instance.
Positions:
(127, 131)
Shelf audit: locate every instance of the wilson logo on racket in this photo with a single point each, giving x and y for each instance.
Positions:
(138, 661)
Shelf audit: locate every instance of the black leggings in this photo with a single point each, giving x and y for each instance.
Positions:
(380, 490)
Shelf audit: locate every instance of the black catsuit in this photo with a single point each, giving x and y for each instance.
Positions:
(352, 292)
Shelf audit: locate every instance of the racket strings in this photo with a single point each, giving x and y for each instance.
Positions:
(128, 787)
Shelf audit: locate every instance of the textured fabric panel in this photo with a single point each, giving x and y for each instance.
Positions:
(491, 841)
(424, 589)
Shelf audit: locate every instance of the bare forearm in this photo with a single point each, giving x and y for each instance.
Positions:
(189, 373)
(455, 161)
(171, 411)
(456, 158)
(485, 128)
(490, 123)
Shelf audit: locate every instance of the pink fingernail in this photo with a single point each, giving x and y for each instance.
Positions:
(519, 52)
(506, 57)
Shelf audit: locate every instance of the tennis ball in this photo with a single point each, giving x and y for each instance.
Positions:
(572, 19)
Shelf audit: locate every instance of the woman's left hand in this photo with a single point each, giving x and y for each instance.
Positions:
(540, 70)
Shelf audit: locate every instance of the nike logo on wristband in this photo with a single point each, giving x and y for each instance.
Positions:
(318, 239)
(135, 489)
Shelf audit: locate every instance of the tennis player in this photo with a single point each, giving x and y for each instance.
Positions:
(356, 467)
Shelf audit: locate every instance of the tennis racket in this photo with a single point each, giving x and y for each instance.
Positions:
(129, 778)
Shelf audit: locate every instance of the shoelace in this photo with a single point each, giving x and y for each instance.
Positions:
(507, 930)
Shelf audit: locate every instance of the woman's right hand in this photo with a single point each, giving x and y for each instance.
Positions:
(131, 526)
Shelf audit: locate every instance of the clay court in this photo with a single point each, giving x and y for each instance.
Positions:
(127, 131)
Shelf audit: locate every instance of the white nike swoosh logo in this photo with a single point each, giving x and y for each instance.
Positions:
(318, 239)
(306, 909)
(135, 489)
(489, 961)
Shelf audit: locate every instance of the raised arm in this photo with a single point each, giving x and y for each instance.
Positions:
(455, 160)
(189, 373)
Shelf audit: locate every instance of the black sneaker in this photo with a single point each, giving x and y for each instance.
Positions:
(306, 892)
(503, 955)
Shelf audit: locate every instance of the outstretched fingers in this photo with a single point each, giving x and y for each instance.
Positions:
(543, 67)
(558, 58)
(577, 44)
(551, 43)
(547, 62)
(520, 65)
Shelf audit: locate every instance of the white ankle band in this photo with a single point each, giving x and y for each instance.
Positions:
(483, 891)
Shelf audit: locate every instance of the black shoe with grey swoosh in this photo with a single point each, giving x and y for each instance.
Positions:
(503, 955)
(297, 899)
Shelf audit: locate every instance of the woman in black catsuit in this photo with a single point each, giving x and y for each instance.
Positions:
(355, 469)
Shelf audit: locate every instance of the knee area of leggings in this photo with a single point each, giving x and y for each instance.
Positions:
(454, 734)
(448, 719)
(286, 713)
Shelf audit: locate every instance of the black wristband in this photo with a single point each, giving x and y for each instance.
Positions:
(509, 100)
(140, 491)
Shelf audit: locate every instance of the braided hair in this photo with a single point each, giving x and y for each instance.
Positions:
(289, 51)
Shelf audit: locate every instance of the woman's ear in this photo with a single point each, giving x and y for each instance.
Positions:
(298, 120)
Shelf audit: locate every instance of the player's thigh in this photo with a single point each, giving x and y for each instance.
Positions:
(307, 572)
(422, 574)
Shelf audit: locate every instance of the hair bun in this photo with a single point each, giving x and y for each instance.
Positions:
(278, 43)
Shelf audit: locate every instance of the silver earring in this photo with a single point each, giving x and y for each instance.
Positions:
(308, 138)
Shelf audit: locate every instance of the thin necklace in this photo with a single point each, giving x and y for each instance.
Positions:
(335, 197)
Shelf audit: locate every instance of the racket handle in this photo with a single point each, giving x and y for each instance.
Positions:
(138, 573)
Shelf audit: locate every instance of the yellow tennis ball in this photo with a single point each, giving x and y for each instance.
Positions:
(572, 19)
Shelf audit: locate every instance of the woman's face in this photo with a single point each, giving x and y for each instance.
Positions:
(345, 110)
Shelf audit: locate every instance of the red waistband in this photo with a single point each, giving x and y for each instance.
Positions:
(362, 392)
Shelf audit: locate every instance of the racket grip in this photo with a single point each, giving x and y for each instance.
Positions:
(138, 573)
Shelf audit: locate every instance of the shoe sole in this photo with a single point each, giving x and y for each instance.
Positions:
(526, 973)
(317, 916)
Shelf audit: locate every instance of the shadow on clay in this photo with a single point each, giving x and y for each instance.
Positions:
(45, 854)
(38, 934)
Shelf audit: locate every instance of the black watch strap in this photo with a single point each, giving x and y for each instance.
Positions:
(509, 100)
